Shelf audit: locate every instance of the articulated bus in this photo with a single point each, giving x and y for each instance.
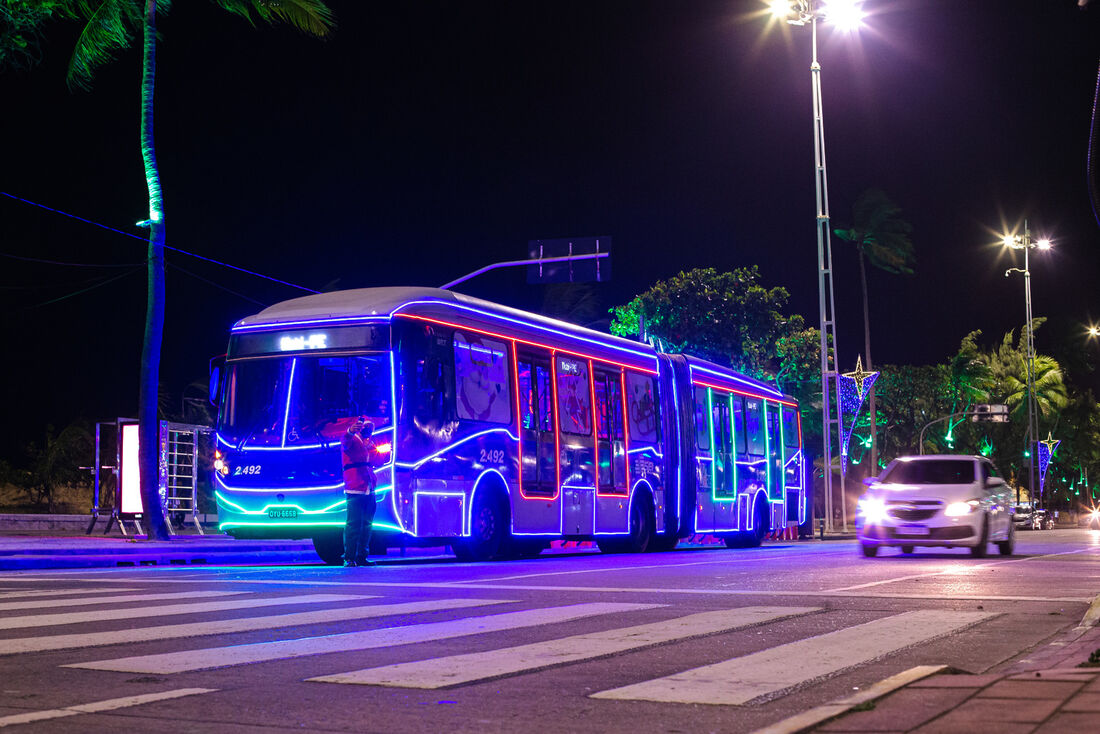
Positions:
(501, 431)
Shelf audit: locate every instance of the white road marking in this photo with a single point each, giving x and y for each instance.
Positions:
(770, 671)
(32, 593)
(102, 615)
(12, 606)
(228, 626)
(220, 657)
(457, 669)
(97, 706)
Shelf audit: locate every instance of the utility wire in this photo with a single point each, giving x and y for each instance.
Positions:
(167, 247)
(70, 264)
(83, 290)
(216, 285)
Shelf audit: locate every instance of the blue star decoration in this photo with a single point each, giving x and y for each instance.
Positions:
(853, 387)
(1047, 447)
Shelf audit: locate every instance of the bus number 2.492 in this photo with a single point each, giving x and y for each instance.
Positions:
(492, 456)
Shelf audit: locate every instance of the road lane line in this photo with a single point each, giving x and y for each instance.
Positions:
(228, 626)
(740, 680)
(12, 606)
(102, 615)
(98, 706)
(458, 669)
(35, 593)
(220, 657)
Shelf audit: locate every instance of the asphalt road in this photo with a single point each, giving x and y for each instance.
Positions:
(694, 640)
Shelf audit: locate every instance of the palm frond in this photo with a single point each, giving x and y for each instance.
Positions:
(110, 26)
(309, 16)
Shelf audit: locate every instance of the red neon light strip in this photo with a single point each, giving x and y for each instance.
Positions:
(723, 388)
(524, 341)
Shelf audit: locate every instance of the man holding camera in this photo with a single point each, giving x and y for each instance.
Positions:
(359, 455)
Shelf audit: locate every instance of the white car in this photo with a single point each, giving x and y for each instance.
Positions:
(943, 500)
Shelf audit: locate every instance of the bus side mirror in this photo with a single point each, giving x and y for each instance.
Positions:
(217, 367)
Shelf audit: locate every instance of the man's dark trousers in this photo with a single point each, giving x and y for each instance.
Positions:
(357, 530)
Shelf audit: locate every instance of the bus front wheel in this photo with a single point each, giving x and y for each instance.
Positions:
(330, 547)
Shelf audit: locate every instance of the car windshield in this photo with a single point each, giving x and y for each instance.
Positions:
(302, 400)
(937, 471)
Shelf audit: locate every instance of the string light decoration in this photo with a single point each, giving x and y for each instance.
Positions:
(854, 387)
(1047, 447)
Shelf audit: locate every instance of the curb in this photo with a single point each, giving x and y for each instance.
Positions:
(820, 714)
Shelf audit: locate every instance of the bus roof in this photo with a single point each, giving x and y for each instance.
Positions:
(366, 305)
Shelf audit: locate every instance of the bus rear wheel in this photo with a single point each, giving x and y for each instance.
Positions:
(330, 547)
(489, 533)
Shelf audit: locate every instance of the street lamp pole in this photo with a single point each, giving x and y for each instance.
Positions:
(1025, 243)
(808, 11)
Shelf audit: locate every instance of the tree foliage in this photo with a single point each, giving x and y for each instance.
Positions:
(726, 317)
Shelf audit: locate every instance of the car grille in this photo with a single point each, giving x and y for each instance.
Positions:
(913, 511)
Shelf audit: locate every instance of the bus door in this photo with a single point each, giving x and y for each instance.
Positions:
(612, 493)
(537, 510)
(577, 445)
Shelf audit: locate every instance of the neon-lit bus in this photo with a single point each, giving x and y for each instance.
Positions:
(504, 430)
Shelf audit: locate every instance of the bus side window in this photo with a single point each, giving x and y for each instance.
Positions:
(574, 403)
(754, 426)
(790, 432)
(430, 375)
(643, 408)
(481, 379)
(542, 385)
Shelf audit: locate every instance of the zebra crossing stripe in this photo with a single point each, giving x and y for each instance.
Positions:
(102, 615)
(29, 593)
(11, 606)
(229, 626)
(458, 669)
(743, 679)
(220, 657)
(97, 706)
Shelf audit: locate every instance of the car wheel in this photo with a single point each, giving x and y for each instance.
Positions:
(980, 550)
(1008, 545)
(330, 547)
(869, 551)
(907, 549)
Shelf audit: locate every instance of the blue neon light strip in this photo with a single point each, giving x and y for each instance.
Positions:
(313, 446)
(734, 378)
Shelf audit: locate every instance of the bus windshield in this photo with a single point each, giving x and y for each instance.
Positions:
(303, 400)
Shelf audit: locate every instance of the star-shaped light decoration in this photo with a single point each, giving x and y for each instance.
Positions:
(1047, 447)
(853, 387)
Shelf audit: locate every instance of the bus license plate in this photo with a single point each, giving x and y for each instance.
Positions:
(913, 530)
(282, 513)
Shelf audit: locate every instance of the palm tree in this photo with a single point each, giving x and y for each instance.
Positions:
(110, 26)
(882, 237)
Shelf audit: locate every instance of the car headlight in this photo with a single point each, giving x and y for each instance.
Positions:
(872, 509)
(955, 509)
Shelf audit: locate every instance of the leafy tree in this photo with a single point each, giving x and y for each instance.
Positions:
(728, 318)
(21, 24)
(910, 397)
(880, 236)
(110, 26)
(57, 462)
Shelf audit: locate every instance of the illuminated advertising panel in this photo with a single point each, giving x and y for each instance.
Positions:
(130, 478)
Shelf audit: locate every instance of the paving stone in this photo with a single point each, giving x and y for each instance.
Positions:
(956, 681)
(1071, 724)
(988, 710)
(1093, 687)
(1082, 703)
(1031, 689)
(901, 711)
(1060, 675)
(956, 726)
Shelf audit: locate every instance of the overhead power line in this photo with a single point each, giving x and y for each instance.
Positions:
(167, 247)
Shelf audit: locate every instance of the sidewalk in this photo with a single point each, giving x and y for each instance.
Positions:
(1045, 693)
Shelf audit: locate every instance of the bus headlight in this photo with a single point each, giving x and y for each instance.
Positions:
(220, 464)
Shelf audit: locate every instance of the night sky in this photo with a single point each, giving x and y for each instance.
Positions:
(428, 138)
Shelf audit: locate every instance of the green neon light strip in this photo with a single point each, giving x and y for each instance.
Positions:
(233, 505)
(327, 524)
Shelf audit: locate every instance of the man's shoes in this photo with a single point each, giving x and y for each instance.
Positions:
(350, 564)
(364, 562)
